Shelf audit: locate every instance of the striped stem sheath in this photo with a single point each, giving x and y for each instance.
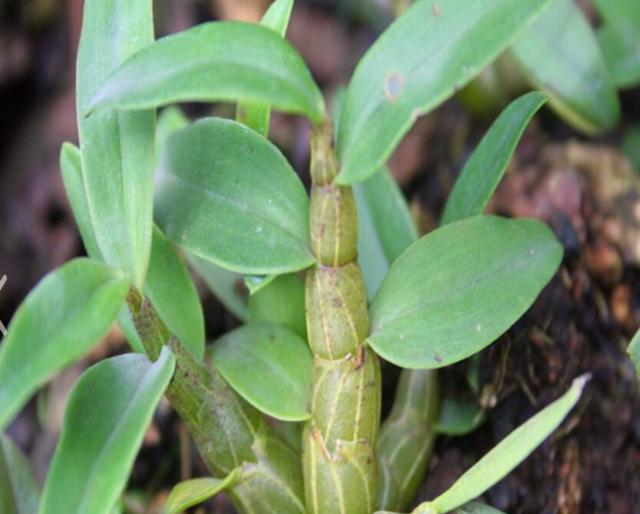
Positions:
(340, 468)
(228, 432)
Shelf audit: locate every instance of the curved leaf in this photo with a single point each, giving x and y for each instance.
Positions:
(477, 508)
(229, 196)
(560, 54)
(634, 351)
(218, 61)
(191, 492)
(457, 289)
(19, 492)
(269, 366)
(117, 148)
(458, 417)
(486, 166)
(105, 420)
(417, 63)
(68, 312)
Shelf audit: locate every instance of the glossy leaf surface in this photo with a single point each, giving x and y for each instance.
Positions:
(486, 166)
(117, 148)
(458, 417)
(269, 366)
(192, 492)
(457, 289)
(67, 313)
(230, 196)
(218, 61)
(561, 56)
(419, 61)
(105, 420)
(19, 492)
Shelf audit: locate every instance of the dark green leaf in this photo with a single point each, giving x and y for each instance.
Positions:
(105, 420)
(428, 53)
(458, 417)
(634, 351)
(457, 289)
(561, 56)
(269, 366)
(484, 169)
(68, 312)
(19, 493)
(477, 508)
(219, 61)
(230, 196)
(117, 149)
(192, 492)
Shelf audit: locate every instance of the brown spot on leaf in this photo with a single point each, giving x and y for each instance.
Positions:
(393, 86)
(438, 358)
(435, 9)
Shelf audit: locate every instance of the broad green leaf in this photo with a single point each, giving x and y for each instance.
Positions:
(510, 452)
(105, 420)
(486, 166)
(269, 366)
(477, 508)
(67, 313)
(230, 196)
(281, 302)
(634, 351)
(192, 492)
(458, 288)
(620, 39)
(218, 61)
(458, 417)
(117, 148)
(19, 492)
(561, 56)
(255, 114)
(419, 61)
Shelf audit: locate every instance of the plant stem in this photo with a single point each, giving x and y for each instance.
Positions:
(228, 432)
(340, 468)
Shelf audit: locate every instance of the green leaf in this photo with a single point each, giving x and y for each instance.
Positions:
(269, 366)
(458, 288)
(255, 283)
(418, 62)
(634, 351)
(510, 452)
(486, 166)
(117, 148)
(19, 493)
(68, 312)
(230, 196)
(619, 38)
(561, 56)
(254, 114)
(458, 417)
(218, 61)
(191, 492)
(105, 420)
(477, 508)
(281, 302)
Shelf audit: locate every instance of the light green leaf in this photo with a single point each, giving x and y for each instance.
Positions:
(634, 351)
(486, 166)
(117, 148)
(105, 420)
(19, 492)
(67, 313)
(218, 61)
(458, 288)
(510, 452)
(418, 62)
(230, 196)
(255, 114)
(620, 39)
(281, 302)
(256, 283)
(458, 417)
(192, 492)
(269, 366)
(561, 56)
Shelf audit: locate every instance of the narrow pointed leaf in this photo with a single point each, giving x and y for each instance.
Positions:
(67, 313)
(19, 492)
(218, 61)
(561, 56)
(418, 62)
(510, 452)
(105, 420)
(256, 114)
(117, 148)
(457, 289)
(192, 492)
(230, 196)
(486, 166)
(269, 366)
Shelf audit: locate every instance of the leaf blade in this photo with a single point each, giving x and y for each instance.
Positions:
(19, 492)
(191, 492)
